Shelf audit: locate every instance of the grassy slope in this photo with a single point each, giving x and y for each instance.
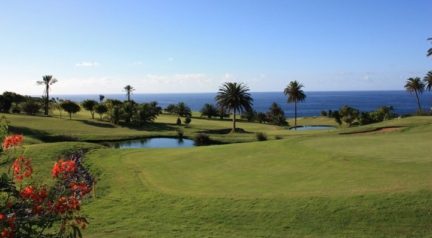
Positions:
(83, 128)
(319, 185)
(376, 185)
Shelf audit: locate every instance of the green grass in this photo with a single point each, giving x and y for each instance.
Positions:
(312, 184)
(82, 128)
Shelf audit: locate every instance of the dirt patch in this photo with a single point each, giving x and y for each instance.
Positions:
(376, 130)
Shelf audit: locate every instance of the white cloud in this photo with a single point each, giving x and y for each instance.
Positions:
(87, 64)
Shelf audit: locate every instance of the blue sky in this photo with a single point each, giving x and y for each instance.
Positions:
(194, 46)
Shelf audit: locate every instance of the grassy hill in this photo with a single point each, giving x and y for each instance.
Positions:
(311, 184)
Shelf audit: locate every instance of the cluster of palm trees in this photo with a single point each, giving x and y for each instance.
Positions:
(236, 98)
(231, 96)
(417, 86)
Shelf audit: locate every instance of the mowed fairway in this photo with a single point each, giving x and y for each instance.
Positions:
(310, 184)
(371, 185)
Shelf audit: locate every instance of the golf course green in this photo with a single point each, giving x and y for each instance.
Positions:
(366, 181)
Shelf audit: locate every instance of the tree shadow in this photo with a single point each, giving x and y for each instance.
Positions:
(98, 124)
(224, 131)
(152, 126)
(41, 135)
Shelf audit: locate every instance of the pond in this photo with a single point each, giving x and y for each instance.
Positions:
(153, 143)
(310, 128)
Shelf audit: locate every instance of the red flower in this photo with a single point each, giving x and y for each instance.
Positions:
(2, 216)
(6, 233)
(28, 192)
(12, 141)
(73, 203)
(22, 168)
(63, 167)
(81, 188)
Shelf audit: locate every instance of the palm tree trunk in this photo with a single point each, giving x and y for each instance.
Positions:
(46, 99)
(418, 101)
(234, 121)
(295, 115)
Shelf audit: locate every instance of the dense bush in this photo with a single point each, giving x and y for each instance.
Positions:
(100, 109)
(350, 115)
(249, 115)
(8, 99)
(183, 110)
(262, 117)
(202, 139)
(323, 113)
(276, 116)
(222, 113)
(129, 110)
(261, 136)
(147, 112)
(209, 111)
(31, 107)
(115, 114)
(187, 120)
(171, 109)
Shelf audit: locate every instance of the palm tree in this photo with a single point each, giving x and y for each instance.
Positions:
(234, 97)
(417, 86)
(428, 81)
(47, 81)
(129, 89)
(295, 94)
(429, 53)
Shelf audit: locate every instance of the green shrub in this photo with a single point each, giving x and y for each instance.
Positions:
(30, 107)
(261, 136)
(202, 139)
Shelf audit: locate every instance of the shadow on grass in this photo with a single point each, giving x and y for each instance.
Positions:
(153, 126)
(41, 135)
(97, 124)
(224, 131)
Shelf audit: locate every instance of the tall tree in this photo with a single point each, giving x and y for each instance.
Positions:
(429, 53)
(416, 86)
(89, 106)
(295, 94)
(47, 81)
(183, 110)
(428, 81)
(234, 97)
(70, 107)
(129, 89)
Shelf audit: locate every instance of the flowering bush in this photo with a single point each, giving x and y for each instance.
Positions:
(30, 210)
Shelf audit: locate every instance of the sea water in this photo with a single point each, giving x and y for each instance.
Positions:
(402, 101)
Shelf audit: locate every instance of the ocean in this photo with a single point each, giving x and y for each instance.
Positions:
(402, 101)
